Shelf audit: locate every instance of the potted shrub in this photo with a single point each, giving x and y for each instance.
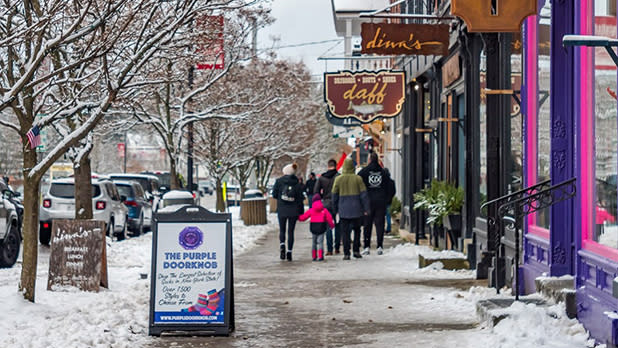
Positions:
(443, 202)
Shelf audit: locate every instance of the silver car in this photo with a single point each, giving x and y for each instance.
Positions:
(59, 203)
(10, 237)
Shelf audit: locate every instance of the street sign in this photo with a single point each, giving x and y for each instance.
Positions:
(365, 95)
(213, 46)
(191, 278)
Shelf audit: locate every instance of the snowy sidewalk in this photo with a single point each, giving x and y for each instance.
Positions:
(376, 301)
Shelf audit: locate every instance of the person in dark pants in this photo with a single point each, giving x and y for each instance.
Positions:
(289, 194)
(351, 203)
(324, 186)
(375, 178)
(309, 186)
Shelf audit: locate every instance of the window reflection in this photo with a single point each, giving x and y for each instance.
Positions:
(606, 143)
(544, 127)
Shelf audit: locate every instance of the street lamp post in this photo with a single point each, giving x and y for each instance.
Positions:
(190, 141)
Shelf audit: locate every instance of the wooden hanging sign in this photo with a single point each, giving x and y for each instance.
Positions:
(493, 16)
(408, 39)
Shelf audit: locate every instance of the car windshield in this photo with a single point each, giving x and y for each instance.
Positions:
(144, 182)
(67, 190)
(125, 190)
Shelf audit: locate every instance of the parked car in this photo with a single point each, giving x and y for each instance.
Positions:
(149, 183)
(172, 200)
(254, 193)
(59, 203)
(10, 236)
(207, 188)
(15, 198)
(140, 209)
(164, 179)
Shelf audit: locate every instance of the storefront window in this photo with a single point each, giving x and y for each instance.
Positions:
(544, 117)
(483, 135)
(605, 229)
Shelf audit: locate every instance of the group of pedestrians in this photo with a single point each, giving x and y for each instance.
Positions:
(357, 200)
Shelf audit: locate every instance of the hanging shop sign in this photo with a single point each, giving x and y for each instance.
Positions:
(408, 39)
(364, 95)
(493, 16)
(451, 71)
(342, 122)
(191, 278)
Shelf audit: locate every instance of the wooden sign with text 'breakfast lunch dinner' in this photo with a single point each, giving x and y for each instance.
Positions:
(78, 257)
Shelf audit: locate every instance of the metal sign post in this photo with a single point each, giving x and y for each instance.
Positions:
(191, 285)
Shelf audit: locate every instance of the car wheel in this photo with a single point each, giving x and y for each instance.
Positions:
(122, 235)
(9, 250)
(139, 230)
(44, 234)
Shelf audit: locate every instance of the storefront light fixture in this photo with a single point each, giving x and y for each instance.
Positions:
(416, 87)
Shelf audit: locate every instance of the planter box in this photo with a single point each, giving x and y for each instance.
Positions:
(452, 222)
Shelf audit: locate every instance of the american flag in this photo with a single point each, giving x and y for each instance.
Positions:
(34, 137)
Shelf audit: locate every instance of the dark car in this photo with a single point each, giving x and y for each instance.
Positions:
(15, 198)
(140, 208)
(149, 183)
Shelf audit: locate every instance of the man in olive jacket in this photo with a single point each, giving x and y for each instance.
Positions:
(351, 202)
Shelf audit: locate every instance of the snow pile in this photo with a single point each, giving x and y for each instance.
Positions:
(115, 317)
(528, 325)
(443, 254)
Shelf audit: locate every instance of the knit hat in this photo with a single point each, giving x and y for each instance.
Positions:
(316, 197)
(290, 169)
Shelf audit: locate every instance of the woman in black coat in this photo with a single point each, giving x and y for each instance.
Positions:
(289, 194)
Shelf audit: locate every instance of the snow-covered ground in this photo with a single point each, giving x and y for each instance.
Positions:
(118, 316)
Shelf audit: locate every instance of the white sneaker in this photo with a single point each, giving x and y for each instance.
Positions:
(365, 251)
(380, 252)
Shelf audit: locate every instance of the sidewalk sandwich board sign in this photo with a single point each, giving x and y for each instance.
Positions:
(191, 285)
(77, 257)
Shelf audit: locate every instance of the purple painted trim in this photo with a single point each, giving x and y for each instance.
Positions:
(562, 138)
(536, 261)
(530, 99)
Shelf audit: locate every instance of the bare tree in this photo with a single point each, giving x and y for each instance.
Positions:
(55, 54)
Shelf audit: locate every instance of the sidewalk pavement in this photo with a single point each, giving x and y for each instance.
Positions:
(368, 302)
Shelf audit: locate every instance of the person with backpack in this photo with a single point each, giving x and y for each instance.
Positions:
(351, 203)
(375, 179)
(320, 220)
(323, 187)
(289, 195)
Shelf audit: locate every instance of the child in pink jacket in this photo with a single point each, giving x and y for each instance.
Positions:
(319, 218)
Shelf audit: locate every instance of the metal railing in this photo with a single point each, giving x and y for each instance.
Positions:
(522, 203)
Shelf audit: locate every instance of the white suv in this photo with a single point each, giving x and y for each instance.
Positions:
(59, 203)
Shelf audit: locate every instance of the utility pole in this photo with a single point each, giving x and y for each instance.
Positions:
(190, 140)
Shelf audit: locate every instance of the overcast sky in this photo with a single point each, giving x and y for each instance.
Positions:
(299, 22)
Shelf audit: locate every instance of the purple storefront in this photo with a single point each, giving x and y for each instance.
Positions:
(571, 130)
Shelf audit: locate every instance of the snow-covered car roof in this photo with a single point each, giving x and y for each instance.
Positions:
(177, 194)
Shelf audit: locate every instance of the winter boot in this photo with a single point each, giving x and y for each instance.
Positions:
(282, 251)
(346, 257)
(289, 255)
(313, 254)
(320, 255)
(357, 255)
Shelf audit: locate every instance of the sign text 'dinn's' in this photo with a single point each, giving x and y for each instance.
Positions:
(364, 95)
(408, 39)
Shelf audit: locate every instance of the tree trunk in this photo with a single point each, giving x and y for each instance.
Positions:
(174, 184)
(220, 206)
(83, 188)
(30, 229)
